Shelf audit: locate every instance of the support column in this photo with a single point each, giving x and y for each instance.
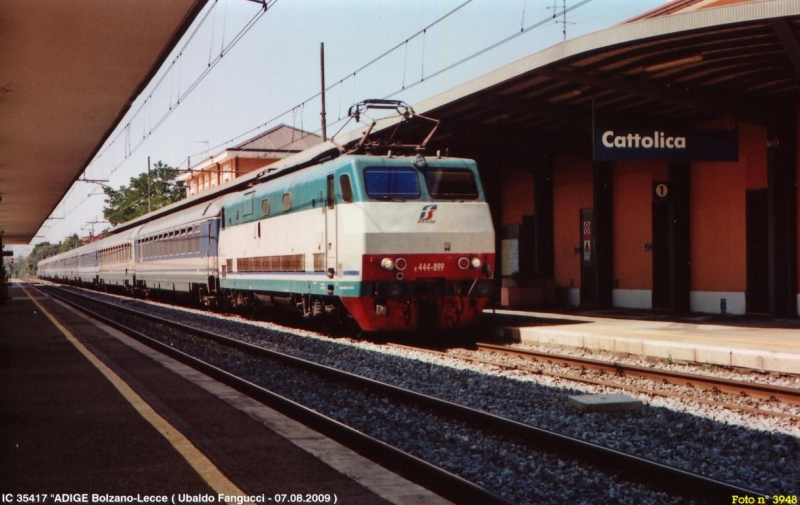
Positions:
(782, 215)
(603, 189)
(680, 271)
(544, 263)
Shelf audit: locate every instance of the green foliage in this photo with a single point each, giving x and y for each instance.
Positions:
(70, 243)
(130, 202)
(18, 268)
(40, 251)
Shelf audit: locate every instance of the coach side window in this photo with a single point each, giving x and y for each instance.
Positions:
(247, 203)
(287, 202)
(265, 207)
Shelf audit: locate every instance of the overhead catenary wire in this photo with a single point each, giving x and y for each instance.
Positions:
(422, 70)
(214, 62)
(405, 64)
(213, 27)
(486, 49)
(224, 25)
(350, 75)
(167, 72)
(147, 103)
(522, 22)
(404, 85)
(175, 67)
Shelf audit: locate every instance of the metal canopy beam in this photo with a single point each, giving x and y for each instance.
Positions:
(789, 41)
(716, 104)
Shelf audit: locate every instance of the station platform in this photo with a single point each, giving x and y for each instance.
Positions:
(86, 412)
(752, 342)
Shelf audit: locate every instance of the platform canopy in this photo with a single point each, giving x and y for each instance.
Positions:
(737, 62)
(69, 71)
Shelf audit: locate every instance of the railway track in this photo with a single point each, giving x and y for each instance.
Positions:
(702, 384)
(709, 384)
(439, 480)
(612, 462)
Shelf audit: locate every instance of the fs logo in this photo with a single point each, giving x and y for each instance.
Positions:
(427, 214)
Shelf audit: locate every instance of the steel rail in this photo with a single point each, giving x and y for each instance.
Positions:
(628, 467)
(417, 470)
(755, 389)
(612, 384)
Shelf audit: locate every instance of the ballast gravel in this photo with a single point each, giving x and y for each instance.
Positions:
(746, 450)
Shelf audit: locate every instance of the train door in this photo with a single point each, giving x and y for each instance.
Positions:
(331, 229)
(211, 245)
(588, 260)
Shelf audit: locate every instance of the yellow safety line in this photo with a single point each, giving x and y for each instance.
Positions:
(196, 459)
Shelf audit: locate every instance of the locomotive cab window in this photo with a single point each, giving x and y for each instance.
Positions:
(387, 183)
(451, 184)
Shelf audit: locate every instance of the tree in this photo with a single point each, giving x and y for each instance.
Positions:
(18, 267)
(40, 251)
(71, 243)
(130, 202)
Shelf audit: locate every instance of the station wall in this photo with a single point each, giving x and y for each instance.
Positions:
(633, 230)
(517, 197)
(718, 223)
(572, 191)
(718, 242)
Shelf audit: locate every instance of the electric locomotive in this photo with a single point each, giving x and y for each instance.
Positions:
(381, 234)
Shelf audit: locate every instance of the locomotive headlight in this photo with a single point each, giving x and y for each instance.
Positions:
(387, 263)
(476, 263)
(463, 263)
(400, 264)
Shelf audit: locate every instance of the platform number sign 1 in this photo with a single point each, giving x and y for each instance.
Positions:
(660, 190)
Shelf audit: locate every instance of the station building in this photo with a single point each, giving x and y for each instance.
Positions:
(652, 165)
(246, 157)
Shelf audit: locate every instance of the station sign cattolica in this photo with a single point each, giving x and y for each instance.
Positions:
(666, 145)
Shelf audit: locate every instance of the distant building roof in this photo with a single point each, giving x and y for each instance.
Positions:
(276, 143)
(282, 138)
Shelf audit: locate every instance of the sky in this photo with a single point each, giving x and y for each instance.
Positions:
(272, 74)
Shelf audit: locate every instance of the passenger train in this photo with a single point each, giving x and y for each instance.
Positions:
(392, 241)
